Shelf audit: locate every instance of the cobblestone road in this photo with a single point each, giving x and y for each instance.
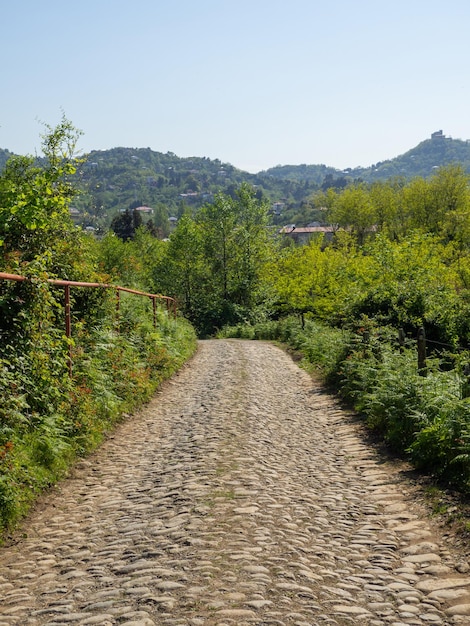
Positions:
(241, 495)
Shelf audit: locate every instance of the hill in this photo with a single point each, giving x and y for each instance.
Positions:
(4, 156)
(125, 178)
(114, 180)
(421, 161)
(121, 178)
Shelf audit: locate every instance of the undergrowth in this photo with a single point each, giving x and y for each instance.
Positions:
(48, 419)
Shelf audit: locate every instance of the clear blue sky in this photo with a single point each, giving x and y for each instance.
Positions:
(255, 83)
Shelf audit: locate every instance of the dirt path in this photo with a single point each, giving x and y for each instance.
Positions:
(241, 495)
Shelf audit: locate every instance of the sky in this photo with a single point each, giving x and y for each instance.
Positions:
(254, 83)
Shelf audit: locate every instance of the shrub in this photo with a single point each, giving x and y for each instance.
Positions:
(48, 419)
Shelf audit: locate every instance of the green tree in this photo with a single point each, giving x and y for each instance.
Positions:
(160, 220)
(212, 263)
(386, 198)
(419, 208)
(318, 279)
(182, 272)
(411, 283)
(125, 224)
(35, 198)
(451, 200)
(236, 245)
(355, 211)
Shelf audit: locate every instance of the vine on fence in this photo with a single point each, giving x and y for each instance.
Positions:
(67, 284)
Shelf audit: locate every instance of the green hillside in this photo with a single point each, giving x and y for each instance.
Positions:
(299, 173)
(125, 178)
(423, 160)
(4, 156)
(112, 181)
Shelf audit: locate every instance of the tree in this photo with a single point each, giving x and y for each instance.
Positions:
(182, 272)
(387, 200)
(212, 263)
(236, 244)
(354, 210)
(451, 199)
(125, 224)
(160, 220)
(35, 198)
(318, 279)
(411, 283)
(419, 207)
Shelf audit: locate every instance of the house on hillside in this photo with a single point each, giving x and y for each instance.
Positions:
(302, 235)
(144, 210)
(74, 214)
(438, 135)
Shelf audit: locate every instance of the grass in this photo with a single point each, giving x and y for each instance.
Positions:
(50, 420)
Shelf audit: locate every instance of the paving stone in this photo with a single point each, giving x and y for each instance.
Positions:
(241, 494)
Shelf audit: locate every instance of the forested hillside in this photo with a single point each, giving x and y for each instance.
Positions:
(114, 180)
(120, 179)
(423, 160)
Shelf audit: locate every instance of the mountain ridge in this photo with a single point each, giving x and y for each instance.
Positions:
(114, 180)
(438, 150)
(420, 160)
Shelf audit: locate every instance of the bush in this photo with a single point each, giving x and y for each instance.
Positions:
(48, 419)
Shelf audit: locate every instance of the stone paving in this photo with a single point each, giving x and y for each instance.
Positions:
(241, 495)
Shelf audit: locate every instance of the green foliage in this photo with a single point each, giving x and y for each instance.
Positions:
(353, 209)
(420, 161)
(130, 263)
(318, 278)
(213, 263)
(125, 224)
(34, 203)
(182, 272)
(48, 418)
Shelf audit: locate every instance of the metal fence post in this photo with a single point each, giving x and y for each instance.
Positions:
(422, 369)
(68, 325)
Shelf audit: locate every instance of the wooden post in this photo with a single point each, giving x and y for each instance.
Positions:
(154, 303)
(118, 308)
(422, 369)
(401, 339)
(465, 391)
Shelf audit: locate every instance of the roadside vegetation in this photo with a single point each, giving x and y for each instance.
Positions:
(354, 306)
(48, 418)
(397, 265)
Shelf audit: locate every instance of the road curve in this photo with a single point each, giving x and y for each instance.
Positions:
(242, 494)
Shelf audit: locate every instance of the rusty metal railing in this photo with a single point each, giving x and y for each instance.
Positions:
(67, 284)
